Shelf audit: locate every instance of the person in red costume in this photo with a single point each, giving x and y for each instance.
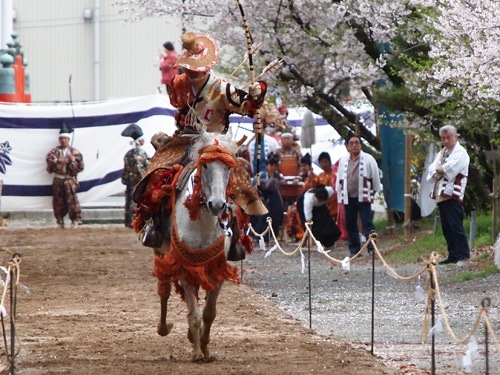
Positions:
(168, 64)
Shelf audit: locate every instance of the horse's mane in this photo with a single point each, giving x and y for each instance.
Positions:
(209, 139)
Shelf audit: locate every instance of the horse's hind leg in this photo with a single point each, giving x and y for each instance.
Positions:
(194, 319)
(209, 314)
(164, 289)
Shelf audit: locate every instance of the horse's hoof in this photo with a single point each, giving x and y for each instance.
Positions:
(164, 329)
(205, 351)
(198, 357)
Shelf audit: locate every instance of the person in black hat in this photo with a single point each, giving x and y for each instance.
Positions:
(65, 162)
(136, 163)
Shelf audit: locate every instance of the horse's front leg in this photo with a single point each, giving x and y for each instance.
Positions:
(164, 290)
(194, 318)
(209, 314)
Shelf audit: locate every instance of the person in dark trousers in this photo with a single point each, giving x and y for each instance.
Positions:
(357, 182)
(449, 171)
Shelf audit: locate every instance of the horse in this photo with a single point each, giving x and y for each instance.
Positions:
(199, 240)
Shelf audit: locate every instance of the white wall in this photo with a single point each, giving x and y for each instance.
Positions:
(57, 42)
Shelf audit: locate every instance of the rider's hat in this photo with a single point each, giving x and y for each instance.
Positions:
(201, 52)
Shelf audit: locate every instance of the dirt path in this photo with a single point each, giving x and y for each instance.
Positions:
(93, 308)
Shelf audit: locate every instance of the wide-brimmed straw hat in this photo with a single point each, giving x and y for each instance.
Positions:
(201, 52)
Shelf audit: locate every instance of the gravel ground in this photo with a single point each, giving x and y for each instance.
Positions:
(341, 306)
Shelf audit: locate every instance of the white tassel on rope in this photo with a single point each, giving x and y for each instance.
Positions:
(472, 352)
(270, 251)
(438, 327)
(302, 261)
(388, 271)
(496, 251)
(262, 243)
(346, 264)
(419, 292)
(320, 247)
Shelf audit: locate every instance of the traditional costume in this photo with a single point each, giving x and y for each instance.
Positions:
(289, 167)
(65, 163)
(362, 176)
(208, 107)
(449, 171)
(135, 165)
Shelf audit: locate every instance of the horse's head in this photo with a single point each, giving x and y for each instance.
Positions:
(216, 159)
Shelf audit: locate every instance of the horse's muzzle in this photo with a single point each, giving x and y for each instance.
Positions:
(216, 206)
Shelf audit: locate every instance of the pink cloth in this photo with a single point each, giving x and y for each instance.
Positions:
(167, 67)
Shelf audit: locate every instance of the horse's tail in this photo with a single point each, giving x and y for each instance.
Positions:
(496, 252)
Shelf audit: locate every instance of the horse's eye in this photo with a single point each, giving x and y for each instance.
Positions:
(205, 166)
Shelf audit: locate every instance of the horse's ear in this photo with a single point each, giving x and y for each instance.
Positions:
(241, 141)
(205, 136)
(230, 134)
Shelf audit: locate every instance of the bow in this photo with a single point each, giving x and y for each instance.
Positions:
(252, 80)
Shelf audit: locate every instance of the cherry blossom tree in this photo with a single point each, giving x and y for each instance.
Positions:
(327, 47)
(433, 61)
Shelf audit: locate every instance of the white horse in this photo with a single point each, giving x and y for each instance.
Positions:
(191, 238)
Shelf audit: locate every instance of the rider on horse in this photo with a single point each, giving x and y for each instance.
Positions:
(202, 101)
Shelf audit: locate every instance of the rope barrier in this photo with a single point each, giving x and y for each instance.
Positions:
(430, 267)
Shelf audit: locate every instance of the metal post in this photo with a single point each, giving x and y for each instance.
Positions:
(486, 350)
(309, 276)
(486, 302)
(12, 325)
(433, 313)
(373, 298)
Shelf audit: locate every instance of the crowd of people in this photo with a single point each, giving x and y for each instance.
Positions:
(337, 201)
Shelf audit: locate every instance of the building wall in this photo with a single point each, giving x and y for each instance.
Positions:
(58, 42)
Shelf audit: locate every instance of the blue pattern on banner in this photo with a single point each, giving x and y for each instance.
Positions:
(5, 159)
(113, 119)
(46, 190)
(82, 121)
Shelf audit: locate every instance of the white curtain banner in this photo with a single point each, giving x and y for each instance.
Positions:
(29, 132)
